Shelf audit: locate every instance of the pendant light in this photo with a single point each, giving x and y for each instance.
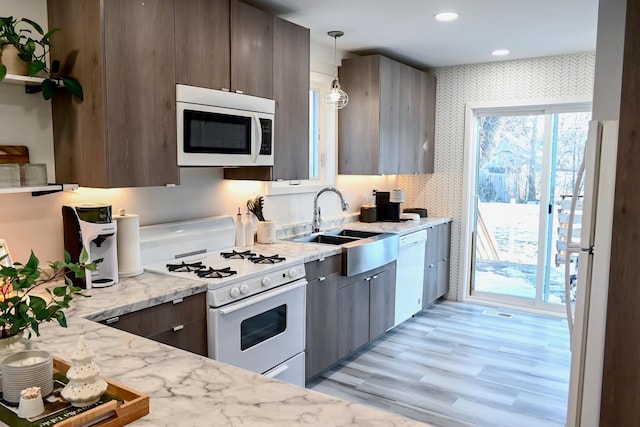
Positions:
(335, 97)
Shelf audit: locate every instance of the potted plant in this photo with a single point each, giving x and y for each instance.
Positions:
(21, 310)
(31, 45)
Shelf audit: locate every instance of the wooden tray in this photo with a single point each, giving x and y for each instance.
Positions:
(118, 406)
(129, 406)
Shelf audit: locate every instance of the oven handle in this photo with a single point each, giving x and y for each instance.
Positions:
(280, 369)
(263, 297)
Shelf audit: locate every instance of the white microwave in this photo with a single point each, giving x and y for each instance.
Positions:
(218, 128)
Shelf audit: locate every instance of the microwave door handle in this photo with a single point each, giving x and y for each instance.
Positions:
(257, 140)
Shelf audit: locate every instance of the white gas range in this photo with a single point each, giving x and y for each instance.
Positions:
(257, 300)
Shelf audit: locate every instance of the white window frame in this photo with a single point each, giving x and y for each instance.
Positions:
(328, 120)
(473, 110)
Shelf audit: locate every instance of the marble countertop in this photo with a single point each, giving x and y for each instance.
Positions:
(187, 389)
(190, 390)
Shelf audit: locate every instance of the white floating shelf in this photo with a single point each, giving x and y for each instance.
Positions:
(39, 190)
(22, 80)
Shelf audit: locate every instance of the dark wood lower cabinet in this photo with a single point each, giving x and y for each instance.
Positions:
(353, 316)
(437, 263)
(382, 301)
(345, 313)
(322, 324)
(181, 323)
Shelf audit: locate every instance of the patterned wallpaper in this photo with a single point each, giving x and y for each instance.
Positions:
(536, 79)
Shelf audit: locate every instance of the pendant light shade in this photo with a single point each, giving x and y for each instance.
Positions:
(335, 97)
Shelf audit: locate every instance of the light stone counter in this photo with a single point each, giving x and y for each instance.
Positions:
(189, 390)
(313, 251)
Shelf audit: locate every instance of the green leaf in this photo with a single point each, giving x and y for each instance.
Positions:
(37, 303)
(74, 86)
(84, 256)
(62, 320)
(33, 262)
(60, 291)
(30, 46)
(33, 24)
(35, 67)
(67, 257)
(48, 88)
(3, 71)
(46, 37)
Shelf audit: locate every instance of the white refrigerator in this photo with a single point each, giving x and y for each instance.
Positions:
(587, 319)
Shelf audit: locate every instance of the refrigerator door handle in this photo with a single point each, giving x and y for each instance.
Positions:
(572, 248)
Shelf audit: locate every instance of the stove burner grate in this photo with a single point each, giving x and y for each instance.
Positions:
(237, 255)
(183, 267)
(211, 273)
(261, 259)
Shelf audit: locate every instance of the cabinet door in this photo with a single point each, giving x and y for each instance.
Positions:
(353, 317)
(432, 253)
(322, 325)
(140, 94)
(202, 43)
(382, 289)
(251, 50)
(442, 278)
(359, 132)
(190, 336)
(291, 93)
(410, 104)
(392, 91)
(426, 124)
(430, 288)
(444, 263)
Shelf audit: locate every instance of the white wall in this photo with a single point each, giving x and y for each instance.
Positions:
(539, 79)
(28, 222)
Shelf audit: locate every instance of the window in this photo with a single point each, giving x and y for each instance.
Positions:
(322, 144)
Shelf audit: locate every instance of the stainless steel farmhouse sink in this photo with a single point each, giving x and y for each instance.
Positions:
(361, 250)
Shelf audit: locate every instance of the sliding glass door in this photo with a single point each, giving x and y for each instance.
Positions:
(525, 169)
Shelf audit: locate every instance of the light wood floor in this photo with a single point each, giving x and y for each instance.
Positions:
(452, 365)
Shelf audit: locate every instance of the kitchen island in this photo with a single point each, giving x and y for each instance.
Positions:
(186, 389)
(190, 390)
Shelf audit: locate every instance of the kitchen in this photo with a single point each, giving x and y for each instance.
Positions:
(202, 190)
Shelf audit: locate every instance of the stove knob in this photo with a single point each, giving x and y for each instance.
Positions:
(266, 282)
(293, 273)
(244, 289)
(235, 293)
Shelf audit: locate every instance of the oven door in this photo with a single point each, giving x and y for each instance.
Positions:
(216, 136)
(260, 332)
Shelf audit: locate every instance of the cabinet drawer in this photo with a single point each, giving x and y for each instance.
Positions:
(190, 336)
(153, 320)
(323, 267)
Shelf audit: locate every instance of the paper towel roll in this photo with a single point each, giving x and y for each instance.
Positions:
(128, 240)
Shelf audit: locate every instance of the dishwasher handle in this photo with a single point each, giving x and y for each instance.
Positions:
(413, 238)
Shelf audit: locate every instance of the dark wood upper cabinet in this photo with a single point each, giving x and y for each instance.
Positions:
(202, 47)
(124, 133)
(291, 57)
(291, 93)
(388, 126)
(251, 50)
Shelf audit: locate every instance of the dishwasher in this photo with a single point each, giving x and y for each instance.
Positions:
(410, 275)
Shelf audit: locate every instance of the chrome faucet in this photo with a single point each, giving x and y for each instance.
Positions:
(316, 209)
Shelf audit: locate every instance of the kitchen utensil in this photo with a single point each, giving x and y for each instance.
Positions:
(255, 207)
(266, 232)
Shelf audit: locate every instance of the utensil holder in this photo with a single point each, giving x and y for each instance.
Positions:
(266, 231)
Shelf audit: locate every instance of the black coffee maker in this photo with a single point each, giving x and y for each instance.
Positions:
(388, 205)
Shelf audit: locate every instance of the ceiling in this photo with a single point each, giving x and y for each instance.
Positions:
(406, 30)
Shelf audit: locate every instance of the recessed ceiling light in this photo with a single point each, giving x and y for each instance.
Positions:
(447, 16)
(500, 52)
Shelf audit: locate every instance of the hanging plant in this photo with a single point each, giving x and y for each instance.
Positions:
(32, 45)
